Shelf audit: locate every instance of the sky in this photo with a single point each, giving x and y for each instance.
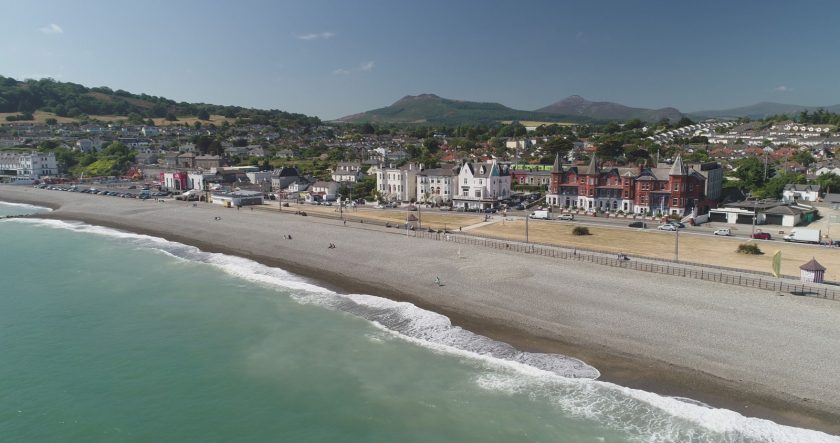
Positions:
(335, 58)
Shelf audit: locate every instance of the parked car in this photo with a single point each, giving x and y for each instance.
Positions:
(723, 231)
(520, 207)
(445, 208)
(638, 224)
(667, 227)
(759, 235)
(677, 224)
(566, 217)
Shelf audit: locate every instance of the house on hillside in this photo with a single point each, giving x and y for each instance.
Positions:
(793, 192)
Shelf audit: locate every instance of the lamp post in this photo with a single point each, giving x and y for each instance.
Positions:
(677, 245)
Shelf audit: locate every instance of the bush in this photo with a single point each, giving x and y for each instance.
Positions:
(580, 230)
(749, 249)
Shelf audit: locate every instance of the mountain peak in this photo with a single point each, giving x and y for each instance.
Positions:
(575, 105)
(413, 98)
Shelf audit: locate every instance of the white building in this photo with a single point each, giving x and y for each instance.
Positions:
(481, 185)
(809, 193)
(85, 145)
(24, 168)
(347, 172)
(397, 184)
(436, 185)
(149, 131)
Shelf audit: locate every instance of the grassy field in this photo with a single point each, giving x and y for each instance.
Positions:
(41, 118)
(429, 218)
(719, 251)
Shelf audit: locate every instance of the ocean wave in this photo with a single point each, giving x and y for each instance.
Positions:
(646, 416)
(563, 381)
(26, 206)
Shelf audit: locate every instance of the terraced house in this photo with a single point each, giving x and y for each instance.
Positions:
(676, 189)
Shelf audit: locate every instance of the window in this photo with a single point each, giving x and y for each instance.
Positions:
(465, 180)
(478, 193)
(674, 202)
(676, 186)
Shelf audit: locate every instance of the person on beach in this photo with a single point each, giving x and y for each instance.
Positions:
(437, 281)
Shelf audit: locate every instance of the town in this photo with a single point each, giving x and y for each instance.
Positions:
(693, 172)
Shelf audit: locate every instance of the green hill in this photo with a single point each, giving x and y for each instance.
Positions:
(73, 100)
(429, 108)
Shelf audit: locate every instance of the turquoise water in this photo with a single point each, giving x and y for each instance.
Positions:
(110, 336)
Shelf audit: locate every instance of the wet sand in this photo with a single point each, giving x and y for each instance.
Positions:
(746, 350)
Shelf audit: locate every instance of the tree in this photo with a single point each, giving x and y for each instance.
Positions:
(558, 145)
(365, 187)
(685, 121)
(805, 158)
(612, 147)
(774, 187)
(828, 182)
(170, 116)
(751, 173)
(203, 114)
(51, 121)
(432, 145)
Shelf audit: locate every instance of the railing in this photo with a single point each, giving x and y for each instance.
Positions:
(718, 274)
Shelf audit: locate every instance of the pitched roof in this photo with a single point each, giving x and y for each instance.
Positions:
(677, 168)
(812, 266)
(557, 167)
(591, 169)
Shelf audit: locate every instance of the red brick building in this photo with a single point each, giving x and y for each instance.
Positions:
(675, 189)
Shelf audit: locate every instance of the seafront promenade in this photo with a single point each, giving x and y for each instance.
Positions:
(735, 347)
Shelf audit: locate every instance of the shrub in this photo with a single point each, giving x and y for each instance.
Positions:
(580, 230)
(749, 249)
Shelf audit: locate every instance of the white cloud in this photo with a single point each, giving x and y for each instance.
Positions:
(363, 67)
(51, 28)
(316, 36)
(782, 88)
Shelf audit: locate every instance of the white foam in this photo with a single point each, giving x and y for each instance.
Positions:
(645, 415)
(26, 206)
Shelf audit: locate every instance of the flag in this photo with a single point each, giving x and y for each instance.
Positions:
(777, 264)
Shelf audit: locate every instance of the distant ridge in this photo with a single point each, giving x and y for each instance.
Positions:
(763, 110)
(576, 105)
(430, 108)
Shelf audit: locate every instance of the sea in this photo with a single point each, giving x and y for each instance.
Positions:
(110, 336)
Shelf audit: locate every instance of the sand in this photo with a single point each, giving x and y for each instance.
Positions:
(746, 350)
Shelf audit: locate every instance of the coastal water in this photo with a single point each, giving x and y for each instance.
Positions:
(112, 336)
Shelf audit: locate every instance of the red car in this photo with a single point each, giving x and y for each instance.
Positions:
(761, 235)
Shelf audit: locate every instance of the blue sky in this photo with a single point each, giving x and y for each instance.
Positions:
(333, 58)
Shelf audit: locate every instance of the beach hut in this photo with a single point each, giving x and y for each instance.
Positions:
(811, 272)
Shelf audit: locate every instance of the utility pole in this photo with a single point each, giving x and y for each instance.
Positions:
(526, 228)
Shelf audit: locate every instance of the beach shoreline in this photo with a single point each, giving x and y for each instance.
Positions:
(497, 315)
